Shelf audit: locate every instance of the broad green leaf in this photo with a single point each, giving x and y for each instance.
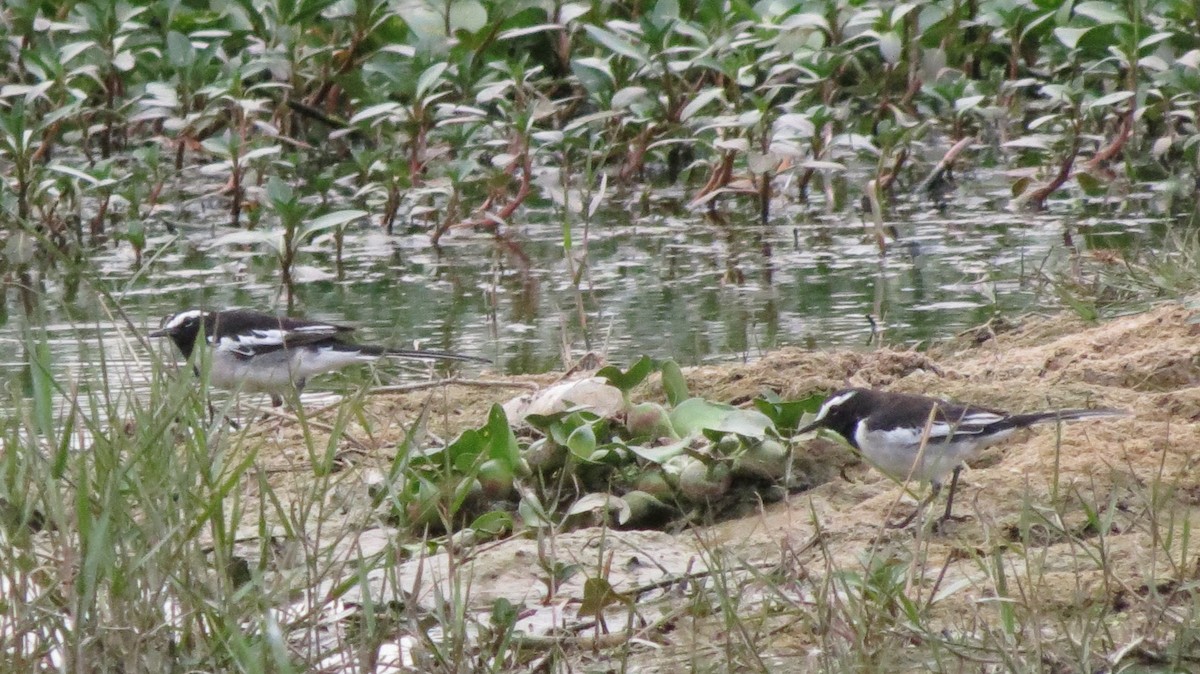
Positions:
(696, 415)
(805, 20)
(1091, 186)
(890, 47)
(532, 513)
(279, 192)
(258, 153)
(599, 594)
(582, 442)
(628, 380)
(598, 501)
(429, 79)
(1102, 12)
(493, 523)
(1028, 142)
(503, 444)
(377, 110)
(468, 15)
(627, 96)
(673, 383)
(1155, 39)
(663, 453)
(616, 44)
(968, 103)
(253, 237)
(529, 30)
(665, 11)
(333, 220)
(594, 74)
(464, 451)
(180, 52)
(573, 10)
(786, 414)
(1111, 99)
(1070, 36)
(74, 173)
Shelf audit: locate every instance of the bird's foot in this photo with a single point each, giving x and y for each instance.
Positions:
(940, 524)
(902, 523)
(214, 415)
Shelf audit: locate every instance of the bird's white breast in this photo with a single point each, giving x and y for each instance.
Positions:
(277, 370)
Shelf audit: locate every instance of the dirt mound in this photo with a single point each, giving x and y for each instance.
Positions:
(1043, 507)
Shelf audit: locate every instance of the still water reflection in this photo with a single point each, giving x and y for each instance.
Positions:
(690, 289)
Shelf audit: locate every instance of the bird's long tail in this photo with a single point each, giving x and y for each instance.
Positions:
(1066, 415)
(424, 355)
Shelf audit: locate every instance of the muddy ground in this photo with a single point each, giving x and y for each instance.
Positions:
(1105, 529)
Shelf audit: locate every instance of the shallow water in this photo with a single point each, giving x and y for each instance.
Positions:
(669, 284)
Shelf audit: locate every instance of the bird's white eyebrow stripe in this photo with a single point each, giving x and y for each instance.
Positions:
(182, 317)
(832, 403)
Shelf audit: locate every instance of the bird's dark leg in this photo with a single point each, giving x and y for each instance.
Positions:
(950, 498)
(212, 416)
(935, 489)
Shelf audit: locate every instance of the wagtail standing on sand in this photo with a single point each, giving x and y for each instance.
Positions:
(925, 439)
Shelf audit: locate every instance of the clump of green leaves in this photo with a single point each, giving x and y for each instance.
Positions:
(651, 464)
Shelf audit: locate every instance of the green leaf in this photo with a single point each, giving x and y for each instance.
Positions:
(700, 100)
(430, 78)
(673, 383)
(531, 511)
(74, 173)
(599, 594)
(628, 380)
(617, 44)
(1111, 99)
(891, 47)
(333, 220)
(1101, 12)
(503, 444)
(493, 523)
(1070, 36)
(665, 12)
(464, 451)
(663, 453)
(594, 74)
(180, 52)
(279, 193)
(786, 415)
(582, 442)
(468, 15)
(696, 415)
(1091, 186)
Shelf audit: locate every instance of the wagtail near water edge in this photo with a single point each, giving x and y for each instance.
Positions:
(925, 439)
(260, 353)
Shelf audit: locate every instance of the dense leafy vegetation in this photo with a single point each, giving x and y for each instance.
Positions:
(449, 114)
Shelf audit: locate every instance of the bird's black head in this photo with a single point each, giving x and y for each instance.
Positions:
(841, 412)
(183, 328)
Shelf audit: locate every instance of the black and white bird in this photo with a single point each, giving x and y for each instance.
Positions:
(260, 353)
(926, 439)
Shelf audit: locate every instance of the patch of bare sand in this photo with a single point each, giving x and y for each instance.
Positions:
(1128, 470)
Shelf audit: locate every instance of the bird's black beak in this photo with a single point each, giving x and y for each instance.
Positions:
(811, 427)
(160, 333)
